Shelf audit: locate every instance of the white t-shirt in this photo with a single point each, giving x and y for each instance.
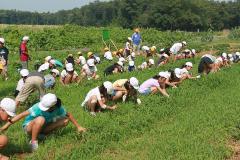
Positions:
(176, 48)
(82, 60)
(180, 72)
(20, 85)
(108, 55)
(92, 92)
(64, 73)
(89, 71)
(43, 67)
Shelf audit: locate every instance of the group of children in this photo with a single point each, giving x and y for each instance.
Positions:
(49, 113)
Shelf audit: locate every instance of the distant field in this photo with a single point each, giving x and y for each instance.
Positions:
(198, 121)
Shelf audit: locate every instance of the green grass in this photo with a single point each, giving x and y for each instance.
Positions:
(196, 122)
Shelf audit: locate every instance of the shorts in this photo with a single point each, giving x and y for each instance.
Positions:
(146, 91)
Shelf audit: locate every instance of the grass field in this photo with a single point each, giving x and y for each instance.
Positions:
(196, 122)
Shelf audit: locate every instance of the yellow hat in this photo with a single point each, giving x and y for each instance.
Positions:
(1, 66)
(79, 53)
(106, 49)
(89, 54)
(114, 53)
(121, 50)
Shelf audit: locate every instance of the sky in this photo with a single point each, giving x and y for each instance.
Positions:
(42, 5)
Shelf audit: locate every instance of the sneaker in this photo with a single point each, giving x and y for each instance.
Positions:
(124, 98)
(93, 114)
(33, 145)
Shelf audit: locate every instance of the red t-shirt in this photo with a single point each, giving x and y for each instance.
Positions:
(24, 52)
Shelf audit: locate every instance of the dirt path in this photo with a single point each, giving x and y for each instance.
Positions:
(235, 146)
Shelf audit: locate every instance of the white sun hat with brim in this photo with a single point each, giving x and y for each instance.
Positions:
(47, 101)
(237, 53)
(98, 59)
(120, 63)
(121, 59)
(193, 51)
(161, 50)
(109, 86)
(25, 38)
(184, 42)
(9, 106)
(55, 71)
(189, 64)
(90, 62)
(134, 82)
(164, 75)
(48, 58)
(224, 55)
(151, 61)
(129, 38)
(52, 61)
(230, 55)
(165, 55)
(133, 54)
(2, 40)
(24, 72)
(131, 63)
(69, 67)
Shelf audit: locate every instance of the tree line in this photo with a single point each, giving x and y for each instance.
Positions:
(187, 15)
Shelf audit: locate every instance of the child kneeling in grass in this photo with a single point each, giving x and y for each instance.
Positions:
(43, 118)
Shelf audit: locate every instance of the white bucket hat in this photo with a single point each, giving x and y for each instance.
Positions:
(164, 74)
(133, 54)
(55, 71)
(109, 86)
(120, 63)
(24, 72)
(9, 106)
(69, 67)
(224, 55)
(129, 38)
(48, 58)
(184, 42)
(25, 38)
(2, 40)
(134, 82)
(151, 61)
(47, 101)
(189, 64)
(131, 63)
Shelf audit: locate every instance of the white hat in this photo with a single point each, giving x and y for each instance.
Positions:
(48, 58)
(120, 63)
(2, 40)
(134, 82)
(161, 50)
(164, 75)
(25, 38)
(52, 61)
(55, 71)
(193, 51)
(238, 53)
(184, 42)
(9, 106)
(224, 55)
(151, 61)
(47, 101)
(121, 59)
(69, 67)
(189, 64)
(131, 63)
(109, 86)
(98, 59)
(129, 38)
(230, 55)
(90, 62)
(24, 72)
(154, 47)
(133, 54)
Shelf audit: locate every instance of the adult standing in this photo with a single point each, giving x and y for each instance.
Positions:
(136, 39)
(4, 57)
(24, 56)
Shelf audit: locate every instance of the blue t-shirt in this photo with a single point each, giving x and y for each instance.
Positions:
(50, 117)
(58, 63)
(136, 38)
(49, 81)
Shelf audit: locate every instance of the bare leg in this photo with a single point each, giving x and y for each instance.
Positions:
(35, 127)
(118, 95)
(154, 90)
(58, 124)
(92, 103)
(3, 141)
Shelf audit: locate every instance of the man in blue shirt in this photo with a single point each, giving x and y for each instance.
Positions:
(136, 38)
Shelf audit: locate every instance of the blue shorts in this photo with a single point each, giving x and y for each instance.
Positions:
(114, 93)
(146, 92)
